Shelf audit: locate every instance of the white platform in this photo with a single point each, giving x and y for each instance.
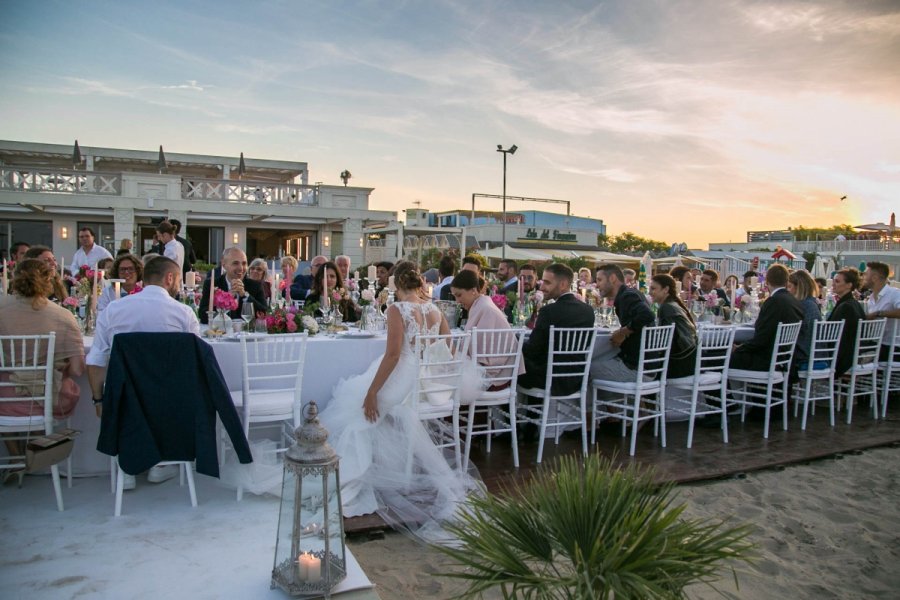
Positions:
(159, 548)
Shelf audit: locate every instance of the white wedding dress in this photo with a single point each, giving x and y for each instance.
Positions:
(374, 456)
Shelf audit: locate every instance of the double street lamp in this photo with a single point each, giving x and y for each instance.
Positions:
(511, 150)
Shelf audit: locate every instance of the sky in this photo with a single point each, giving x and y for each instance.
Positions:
(682, 121)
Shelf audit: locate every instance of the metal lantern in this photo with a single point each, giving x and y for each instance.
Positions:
(310, 556)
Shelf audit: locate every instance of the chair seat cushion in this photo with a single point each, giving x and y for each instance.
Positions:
(33, 423)
(755, 376)
(688, 382)
(539, 393)
(625, 386)
(885, 364)
(865, 368)
(267, 404)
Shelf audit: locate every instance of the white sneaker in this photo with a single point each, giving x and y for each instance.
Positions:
(128, 482)
(159, 474)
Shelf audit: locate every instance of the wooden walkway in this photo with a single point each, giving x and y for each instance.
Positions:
(708, 459)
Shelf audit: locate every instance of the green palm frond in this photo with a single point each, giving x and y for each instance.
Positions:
(588, 531)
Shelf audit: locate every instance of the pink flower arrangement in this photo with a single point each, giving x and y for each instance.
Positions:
(499, 299)
(71, 302)
(712, 300)
(224, 300)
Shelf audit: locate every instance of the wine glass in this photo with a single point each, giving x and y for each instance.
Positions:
(247, 313)
(697, 309)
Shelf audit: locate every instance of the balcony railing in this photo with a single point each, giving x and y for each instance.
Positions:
(60, 181)
(846, 246)
(251, 192)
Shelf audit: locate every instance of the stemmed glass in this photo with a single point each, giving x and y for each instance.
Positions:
(697, 310)
(247, 315)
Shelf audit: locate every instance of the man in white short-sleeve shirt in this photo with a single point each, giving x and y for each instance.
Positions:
(153, 309)
(884, 302)
(89, 252)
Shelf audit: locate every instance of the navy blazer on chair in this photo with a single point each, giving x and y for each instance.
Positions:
(163, 391)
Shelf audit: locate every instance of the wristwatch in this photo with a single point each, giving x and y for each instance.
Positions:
(97, 400)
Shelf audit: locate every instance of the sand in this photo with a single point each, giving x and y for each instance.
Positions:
(828, 529)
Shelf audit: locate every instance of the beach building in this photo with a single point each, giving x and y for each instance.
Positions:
(267, 207)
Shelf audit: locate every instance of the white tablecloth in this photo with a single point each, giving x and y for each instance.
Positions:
(327, 361)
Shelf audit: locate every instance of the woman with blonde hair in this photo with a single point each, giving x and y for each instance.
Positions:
(804, 288)
(289, 266)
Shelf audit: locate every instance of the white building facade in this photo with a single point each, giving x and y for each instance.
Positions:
(266, 207)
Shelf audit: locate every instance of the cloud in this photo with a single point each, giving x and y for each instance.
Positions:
(190, 85)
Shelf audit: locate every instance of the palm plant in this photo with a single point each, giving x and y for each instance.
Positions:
(591, 531)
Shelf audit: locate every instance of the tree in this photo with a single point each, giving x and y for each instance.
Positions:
(630, 243)
(809, 234)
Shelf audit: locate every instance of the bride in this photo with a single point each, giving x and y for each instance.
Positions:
(373, 423)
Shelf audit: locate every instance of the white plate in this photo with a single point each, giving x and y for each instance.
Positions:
(249, 336)
(356, 335)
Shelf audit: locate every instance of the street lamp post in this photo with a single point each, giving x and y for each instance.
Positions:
(511, 150)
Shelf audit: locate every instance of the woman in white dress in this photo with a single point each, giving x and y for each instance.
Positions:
(373, 423)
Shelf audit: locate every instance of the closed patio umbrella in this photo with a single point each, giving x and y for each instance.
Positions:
(161, 161)
(242, 168)
(76, 156)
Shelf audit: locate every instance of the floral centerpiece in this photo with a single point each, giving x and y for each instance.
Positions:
(83, 280)
(71, 304)
(290, 320)
(223, 303)
(500, 300)
(366, 297)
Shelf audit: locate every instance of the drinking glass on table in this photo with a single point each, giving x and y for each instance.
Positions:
(247, 312)
(697, 309)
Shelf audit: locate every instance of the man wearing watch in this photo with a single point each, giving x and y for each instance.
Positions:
(883, 302)
(234, 280)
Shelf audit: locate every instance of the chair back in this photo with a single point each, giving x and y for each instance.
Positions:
(439, 361)
(500, 352)
(783, 349)
(826, 340)
(569, 359)
(656, 345)
(26, 375)
(868, 341)
(714, 344)
(273, 364)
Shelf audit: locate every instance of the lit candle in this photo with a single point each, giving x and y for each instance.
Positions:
(521, 291)
(326, 299)
(391, 285)
(118, 285)
(5, 276)
(212, 290)
(584, 294)
(62, 267)
(356, 275)
(313, 568)
(302, 567)
(430, 291)
(96, 280)
(189, 281)
(373, 274)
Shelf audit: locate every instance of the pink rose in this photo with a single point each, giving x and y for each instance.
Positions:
(291, 326)
(499, 300)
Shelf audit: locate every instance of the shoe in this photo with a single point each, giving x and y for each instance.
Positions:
(159, 474)
(128, 482)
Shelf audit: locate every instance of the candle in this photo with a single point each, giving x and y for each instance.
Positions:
(313, 568)
(326, 300)
(828, 283)
(118, 285)
(189, 281)
(212, 289)
(302, 567)
(678, 288)
(356, 275)
(430, 291)
(5, 276)
(373, 274)
(96, 279)
(391, 285)
(62, 267)
(521, 294)
(584, 294)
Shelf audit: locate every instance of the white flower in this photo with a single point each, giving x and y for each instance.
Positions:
(538, 297)
(310, 324)
(368, 295)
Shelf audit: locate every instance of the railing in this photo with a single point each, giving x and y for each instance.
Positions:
(251, 192)
(60, 181)
(846, 246)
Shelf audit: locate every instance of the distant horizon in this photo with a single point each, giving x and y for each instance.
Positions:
(682, 121)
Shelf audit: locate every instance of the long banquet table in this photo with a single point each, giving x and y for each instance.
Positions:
(328, 359)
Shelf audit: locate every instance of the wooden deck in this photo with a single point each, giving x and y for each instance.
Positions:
(708, 459)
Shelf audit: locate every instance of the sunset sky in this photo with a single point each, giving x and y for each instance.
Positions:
(684, 121)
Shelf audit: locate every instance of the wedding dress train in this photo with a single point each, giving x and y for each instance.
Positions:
(374, 468)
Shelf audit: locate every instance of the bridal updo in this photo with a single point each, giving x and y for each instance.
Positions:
(407, 276)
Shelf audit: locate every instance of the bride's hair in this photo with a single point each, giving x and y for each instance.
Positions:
(406, 276)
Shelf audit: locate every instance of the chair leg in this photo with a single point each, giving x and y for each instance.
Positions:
(584, 444)
(120, 483)
(457, 450)
(661, 406)
(694, 394)
(593, 416)
(634, 424)
(57, 486)
(875, 410)
(723, 396)
(768, 410)
(543, 429)
(113, 471)
(850, 395)
(489, 418)
(188, 468)
(513, 434)
(469, 423)
(831, 400)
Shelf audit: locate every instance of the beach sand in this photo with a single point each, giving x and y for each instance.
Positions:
(828, 529)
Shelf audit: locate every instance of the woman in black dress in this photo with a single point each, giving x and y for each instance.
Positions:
(345, 304)
(672, 310)
(848, 310)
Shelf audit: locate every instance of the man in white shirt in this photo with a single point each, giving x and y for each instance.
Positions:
(153, 309)
(446, 269)
(172, 248)
(884, 302)
(89, 252)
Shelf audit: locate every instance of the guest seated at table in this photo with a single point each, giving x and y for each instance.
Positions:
(731, 285)
(104, 264)
(883, 303)
(129, 268)
(634, 314)
(566, 311)
(848, 310)
(154, 309)
(672, 310)
(349, 310)
(684, 276)
(289, 266)
(234, 279)
(709, 284)
(58, 291)
(389, 463)
(756, 353)
(27, 311)
(302, 283)
(803, 287)
(585, 279)
(823, 287)
(483, 314)
(630, 278)
(382, 272)
(259, 272)
(746, 288)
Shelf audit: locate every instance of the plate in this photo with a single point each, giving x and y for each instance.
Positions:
(249, 336)
(356, 335)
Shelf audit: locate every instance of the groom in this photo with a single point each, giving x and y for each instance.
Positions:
(234, 279)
